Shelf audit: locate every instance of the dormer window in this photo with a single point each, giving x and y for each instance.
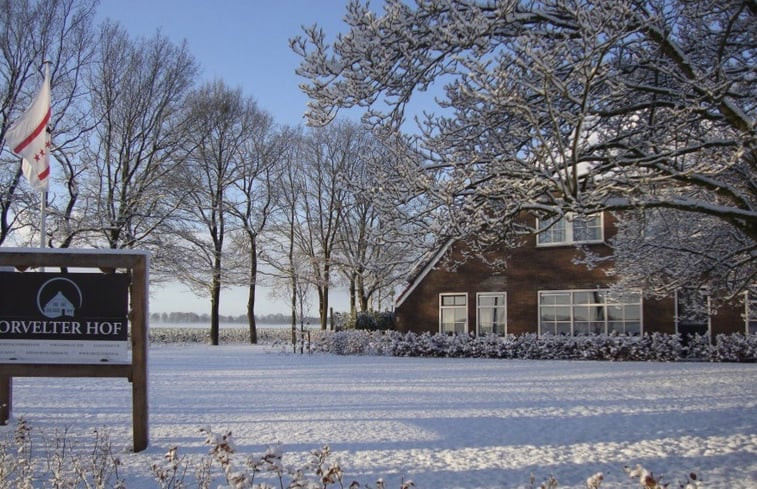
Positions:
(570, 229)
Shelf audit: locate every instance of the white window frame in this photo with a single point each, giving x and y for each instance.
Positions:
(750, 312)
(502, 307)
(566, 222)
(443, 307)
(570, 306)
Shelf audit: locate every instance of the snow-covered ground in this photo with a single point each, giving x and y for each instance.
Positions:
(444, 423)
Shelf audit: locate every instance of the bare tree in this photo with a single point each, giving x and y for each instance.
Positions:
(371, 253)
(31, 32)
(291, 270)
(330, 155)
(222, 122)
(138, 91)
(254, 199)
(556, 107)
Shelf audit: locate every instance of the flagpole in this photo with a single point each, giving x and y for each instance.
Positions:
(43, 194)
(43, 221)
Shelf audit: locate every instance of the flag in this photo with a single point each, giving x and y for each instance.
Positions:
(29, 138)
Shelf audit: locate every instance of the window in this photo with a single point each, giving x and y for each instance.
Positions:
(569, 230)
(453, 313)
(692, 312)
(584, 312)
(751, 312)
(491, 313)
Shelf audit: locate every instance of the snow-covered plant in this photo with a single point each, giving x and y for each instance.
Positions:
(270, 462)
(171, 471)
(65, 466)
(735, 348)
(266, 471)
(698, 347)
(16, 468)
(96, 469)
(222, 450)
(648, 347)
(647, 480)
(60, 463)
(595, 481)
(329, 472)
(549, 483)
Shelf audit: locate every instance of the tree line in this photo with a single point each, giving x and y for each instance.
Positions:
(204, 318)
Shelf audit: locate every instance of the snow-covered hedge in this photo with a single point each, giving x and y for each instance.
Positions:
(649, 347)
(226, 335)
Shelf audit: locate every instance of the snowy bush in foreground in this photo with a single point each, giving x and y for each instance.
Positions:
(60, 465)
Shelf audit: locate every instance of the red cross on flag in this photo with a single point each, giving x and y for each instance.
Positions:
(29, 137)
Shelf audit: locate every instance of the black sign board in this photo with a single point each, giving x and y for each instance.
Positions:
(57, 306)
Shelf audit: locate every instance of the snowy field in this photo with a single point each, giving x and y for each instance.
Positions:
(444, 423)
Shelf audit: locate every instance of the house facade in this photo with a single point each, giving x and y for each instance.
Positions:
(542, 290)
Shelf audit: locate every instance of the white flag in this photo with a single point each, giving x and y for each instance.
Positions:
(29, 138)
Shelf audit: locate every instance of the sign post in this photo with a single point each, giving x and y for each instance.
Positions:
(75, 324)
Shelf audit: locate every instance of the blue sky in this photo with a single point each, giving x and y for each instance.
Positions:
(246, 44)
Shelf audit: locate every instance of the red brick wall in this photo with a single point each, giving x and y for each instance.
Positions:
(529, 269)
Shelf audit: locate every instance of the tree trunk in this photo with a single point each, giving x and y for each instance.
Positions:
(322, 306)
(215, 297)
(323, 294)
(362, 294)
(251, 315)
(353, 306)
(294, 313)
(251, 291)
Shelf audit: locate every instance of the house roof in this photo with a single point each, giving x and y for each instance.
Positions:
(424, 266)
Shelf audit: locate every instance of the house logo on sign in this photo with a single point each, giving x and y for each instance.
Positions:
(59, 297)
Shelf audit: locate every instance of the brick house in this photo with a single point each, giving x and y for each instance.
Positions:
(541, 290)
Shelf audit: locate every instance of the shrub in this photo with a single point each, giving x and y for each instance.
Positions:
(649, 347)
(60, 463)
(60, 466)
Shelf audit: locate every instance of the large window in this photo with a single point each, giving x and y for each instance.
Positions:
(453, 313)
(570, 230)
(491, 313)
(583, 312)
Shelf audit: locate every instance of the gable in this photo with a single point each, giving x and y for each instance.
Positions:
(422, 271)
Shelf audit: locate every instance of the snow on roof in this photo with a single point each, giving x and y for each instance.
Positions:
(75, 251)
(425, 265)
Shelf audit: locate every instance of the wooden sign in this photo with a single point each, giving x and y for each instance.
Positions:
(69, 309)
(64, 318)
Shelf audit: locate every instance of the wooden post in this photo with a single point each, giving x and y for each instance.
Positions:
(139, 312)
(6, 398)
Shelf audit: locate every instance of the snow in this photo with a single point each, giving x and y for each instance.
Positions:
(444, 423)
